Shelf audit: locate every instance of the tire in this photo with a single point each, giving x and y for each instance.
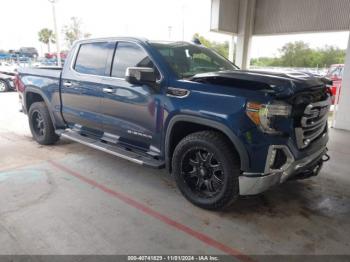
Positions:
(4, 86)
(40, 124)
(216, 164)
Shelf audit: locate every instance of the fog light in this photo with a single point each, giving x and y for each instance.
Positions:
(273, 156)
(278, 159)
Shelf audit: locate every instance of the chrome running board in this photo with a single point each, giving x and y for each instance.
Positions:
(113, 149)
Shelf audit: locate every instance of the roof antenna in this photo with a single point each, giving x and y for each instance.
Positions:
(196, 41)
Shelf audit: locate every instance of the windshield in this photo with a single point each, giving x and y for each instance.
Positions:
(187, 60)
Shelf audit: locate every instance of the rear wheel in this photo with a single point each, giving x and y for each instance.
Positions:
(206, 170)
(41, 125)
(4, 87)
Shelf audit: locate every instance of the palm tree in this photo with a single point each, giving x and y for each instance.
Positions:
(46, 36)
(73, 31)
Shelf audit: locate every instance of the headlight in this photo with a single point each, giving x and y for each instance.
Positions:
(263, 115)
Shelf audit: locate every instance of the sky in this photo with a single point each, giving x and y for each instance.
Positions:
(147, 18)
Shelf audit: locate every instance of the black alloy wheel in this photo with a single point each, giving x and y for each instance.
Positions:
(38, 123)
(41, 125)
(206, 169)
(202, 172)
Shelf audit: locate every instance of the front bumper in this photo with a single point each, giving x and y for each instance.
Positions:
(252, 184)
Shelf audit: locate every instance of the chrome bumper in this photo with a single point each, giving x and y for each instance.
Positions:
(252, 184)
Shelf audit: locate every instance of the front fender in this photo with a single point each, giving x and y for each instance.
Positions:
(210, 123)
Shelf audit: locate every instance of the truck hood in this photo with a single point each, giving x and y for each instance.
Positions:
(279, 84)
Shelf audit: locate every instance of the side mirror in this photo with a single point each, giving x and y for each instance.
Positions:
(140, 75)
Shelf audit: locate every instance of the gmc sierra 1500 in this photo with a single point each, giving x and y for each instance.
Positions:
(222, 132)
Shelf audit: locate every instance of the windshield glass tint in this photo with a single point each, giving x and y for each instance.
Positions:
(187, 60)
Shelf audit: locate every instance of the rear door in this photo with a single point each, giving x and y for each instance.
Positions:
(131, 112)
(81, 86)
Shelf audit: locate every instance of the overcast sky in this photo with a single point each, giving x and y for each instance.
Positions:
(20, 21)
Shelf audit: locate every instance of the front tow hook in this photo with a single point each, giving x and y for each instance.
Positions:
(325, 157)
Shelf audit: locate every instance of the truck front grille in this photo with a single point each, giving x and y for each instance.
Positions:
(313, 122)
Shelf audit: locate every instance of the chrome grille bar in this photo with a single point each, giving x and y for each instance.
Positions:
(313, 122)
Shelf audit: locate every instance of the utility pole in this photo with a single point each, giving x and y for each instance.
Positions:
(58, 51)
(231, 50)
(183, 21)
(170, 28)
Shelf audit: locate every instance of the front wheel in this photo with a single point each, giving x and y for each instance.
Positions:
(206, 170)
(41, 125)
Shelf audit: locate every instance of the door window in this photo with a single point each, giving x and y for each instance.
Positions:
(129, 55)
(92, 58)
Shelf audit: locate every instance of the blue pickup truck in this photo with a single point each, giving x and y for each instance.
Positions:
(222, 132)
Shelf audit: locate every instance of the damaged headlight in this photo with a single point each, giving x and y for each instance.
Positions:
(263, 115)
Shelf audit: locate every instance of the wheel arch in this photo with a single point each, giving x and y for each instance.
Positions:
(32, 95)
(206, 124)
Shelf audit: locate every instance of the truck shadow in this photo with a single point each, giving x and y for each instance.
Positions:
(304, 197)
(315, 197)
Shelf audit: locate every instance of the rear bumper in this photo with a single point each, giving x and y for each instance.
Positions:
(252, 184)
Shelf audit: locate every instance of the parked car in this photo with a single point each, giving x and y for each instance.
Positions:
(8, 67)
(63, 55)
(5, 56)
(222, 132)
(29, 52)
(45, 62)
(7, 75)
(6, 82)
(335, 73)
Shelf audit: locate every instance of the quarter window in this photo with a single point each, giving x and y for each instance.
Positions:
(92, 58)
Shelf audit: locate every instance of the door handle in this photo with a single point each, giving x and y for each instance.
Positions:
(67, 84)
(108, 90)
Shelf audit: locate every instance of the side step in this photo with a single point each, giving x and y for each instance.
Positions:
(116, 150)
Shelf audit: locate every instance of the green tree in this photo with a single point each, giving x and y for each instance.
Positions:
(47, 37)
(221, 48)
(299, 54)
(73, 31)
(331, 55)
(265, 61)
